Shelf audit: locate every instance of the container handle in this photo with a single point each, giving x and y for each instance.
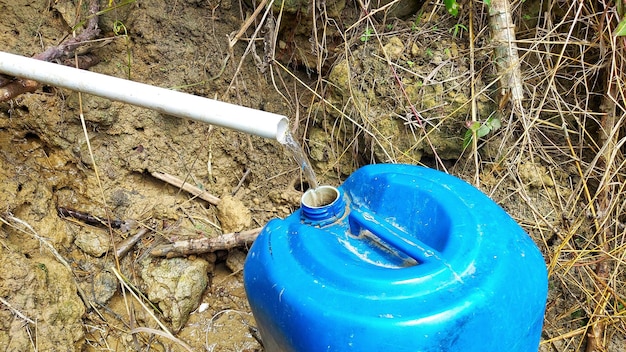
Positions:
(397, 238)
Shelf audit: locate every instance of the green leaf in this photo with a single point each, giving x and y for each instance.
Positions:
(452, 6)
(494, 123)
(467, 139)
(367, 34)
(620, 30)
(483, 131)
(469, 134)
(487, 2)
(474, 126)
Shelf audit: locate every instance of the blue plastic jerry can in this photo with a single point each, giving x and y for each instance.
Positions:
(398, 258)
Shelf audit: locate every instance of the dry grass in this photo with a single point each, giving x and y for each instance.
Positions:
(573, 70)
(568, 134)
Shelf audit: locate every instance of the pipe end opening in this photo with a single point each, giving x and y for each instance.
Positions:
(282, 130)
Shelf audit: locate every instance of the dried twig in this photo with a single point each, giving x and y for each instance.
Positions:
(88, 218)
(175, 181)
(15, 311)
(68, 46)
(243, 178)
(126, 245)
(19, 86)
(247, 24)
(204, 245)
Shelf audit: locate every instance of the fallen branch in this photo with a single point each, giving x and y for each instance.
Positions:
(13, 88)
(205, 245)
(176, 182)
(89, 219)
(68, 46)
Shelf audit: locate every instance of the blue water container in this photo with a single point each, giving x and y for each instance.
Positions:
(398, 258)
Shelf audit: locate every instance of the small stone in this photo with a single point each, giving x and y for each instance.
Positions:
(119, 198)
(104, 287)
(235, 260)
(394, 48)
(203, 307)
(93, 243)
(415, 50)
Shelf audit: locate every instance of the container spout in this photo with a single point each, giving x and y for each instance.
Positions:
(247, 120)
(322, 205)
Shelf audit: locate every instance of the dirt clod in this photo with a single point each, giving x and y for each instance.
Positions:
(176, 285)
(43, 291)
(234, 216)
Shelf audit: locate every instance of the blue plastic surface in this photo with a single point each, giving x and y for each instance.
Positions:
(419, 261)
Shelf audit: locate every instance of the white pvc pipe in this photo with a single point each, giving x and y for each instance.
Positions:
(256, 122)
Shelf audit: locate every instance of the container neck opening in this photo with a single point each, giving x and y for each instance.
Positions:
(320, 197)
(322, 205)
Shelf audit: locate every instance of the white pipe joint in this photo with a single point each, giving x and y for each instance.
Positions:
(247, 120)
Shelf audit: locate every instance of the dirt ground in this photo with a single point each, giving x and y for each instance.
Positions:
(73, 300)
(47, 164)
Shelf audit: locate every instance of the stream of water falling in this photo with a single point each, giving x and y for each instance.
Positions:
(303, 162)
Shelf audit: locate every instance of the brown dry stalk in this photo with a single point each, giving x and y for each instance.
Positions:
(205, 245)
(506, 57)
(14, 88)
(608, 161)
(247, 24)
(608, 136)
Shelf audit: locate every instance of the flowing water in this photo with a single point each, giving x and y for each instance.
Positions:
(303, 162)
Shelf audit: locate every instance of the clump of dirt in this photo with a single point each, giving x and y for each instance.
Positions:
(234, 216)
(176, 286)
(39, 299)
